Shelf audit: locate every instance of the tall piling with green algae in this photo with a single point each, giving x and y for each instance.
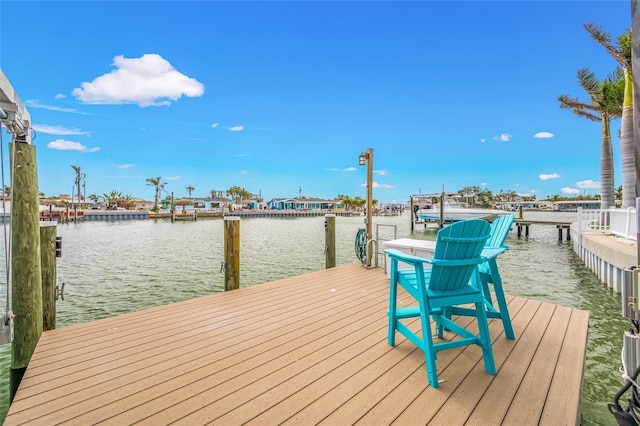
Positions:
(26, 277)
(48, 262)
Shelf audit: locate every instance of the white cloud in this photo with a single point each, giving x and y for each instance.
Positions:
(547, 176)
(378, 185)
(383, 185)
(380, 172)
(214, 125)
(244, 172)
(57, 130)
(173, 177)
(348, 169)
(236, 128)
(543, 135)
(570, 191)
(60, 96)
(35, 104)
(588, 184)
(63, 145)
(483, 140)
(146, 81)
(125, 166)
(504, 137)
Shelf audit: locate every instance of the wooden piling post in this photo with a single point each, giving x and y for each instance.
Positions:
(441, 223)
(413, 215)
(231, 253)
(520, 211)
(173, 209)
(26, 277)
(48, 262)
(330, 240)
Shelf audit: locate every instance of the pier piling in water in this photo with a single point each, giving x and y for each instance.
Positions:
(231, 253)
(330, 240)
(26, 277)
(48, 262)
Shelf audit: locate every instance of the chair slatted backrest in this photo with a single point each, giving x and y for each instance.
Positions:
(457, 253)
(499, 230)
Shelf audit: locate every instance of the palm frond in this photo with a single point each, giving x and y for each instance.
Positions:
(604, 39)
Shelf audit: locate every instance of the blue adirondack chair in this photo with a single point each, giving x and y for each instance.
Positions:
(489, 274)
(452, 279)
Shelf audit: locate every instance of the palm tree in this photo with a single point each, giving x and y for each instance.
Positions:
(190, 189)
(155, 182)
(618, 193)
(237, 194)
(630, 158)
(217, 194)
(606, 104)
(112, 198)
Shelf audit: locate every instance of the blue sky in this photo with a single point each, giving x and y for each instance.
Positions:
(280, 98)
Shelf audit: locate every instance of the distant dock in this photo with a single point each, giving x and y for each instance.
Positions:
(289, 213)
(523, 225)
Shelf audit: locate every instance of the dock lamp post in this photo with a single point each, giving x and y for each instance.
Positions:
(367, 158)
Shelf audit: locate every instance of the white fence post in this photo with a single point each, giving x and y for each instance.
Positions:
(579, 227)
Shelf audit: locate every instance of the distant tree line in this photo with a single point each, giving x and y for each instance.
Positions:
(484, 198)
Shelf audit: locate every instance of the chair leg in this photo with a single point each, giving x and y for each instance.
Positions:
(504, 310)
(393, 296)
(485, 278)
(496, 280)
(446, 313)
(485, 339)
(429, 352)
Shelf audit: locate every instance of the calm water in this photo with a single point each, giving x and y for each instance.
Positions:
(111, 268)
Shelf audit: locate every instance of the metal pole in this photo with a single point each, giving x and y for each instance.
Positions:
(369, 203)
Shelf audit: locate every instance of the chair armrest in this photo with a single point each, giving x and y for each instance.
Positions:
(491, 252)
(406, 258)
(415, 260)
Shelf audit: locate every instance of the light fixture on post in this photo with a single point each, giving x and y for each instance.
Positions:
(367, 158)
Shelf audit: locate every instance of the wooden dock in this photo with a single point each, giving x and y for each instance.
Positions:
(522, 224)
(304, 350)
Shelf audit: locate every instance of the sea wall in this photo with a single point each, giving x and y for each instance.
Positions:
(605, 254)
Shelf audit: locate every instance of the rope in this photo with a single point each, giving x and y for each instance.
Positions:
(4, 209)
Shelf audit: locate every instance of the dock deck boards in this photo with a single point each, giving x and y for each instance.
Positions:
(303, 350)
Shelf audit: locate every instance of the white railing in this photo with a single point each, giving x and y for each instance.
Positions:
(620, 222)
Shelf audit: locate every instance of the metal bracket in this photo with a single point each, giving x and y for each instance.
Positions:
(60, 291)
(6, 328)
(223, 267)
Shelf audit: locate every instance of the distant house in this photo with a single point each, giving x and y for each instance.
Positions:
(142, 204)
(526, 205)
(303, 204)
(211, 203)
(572, 206)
